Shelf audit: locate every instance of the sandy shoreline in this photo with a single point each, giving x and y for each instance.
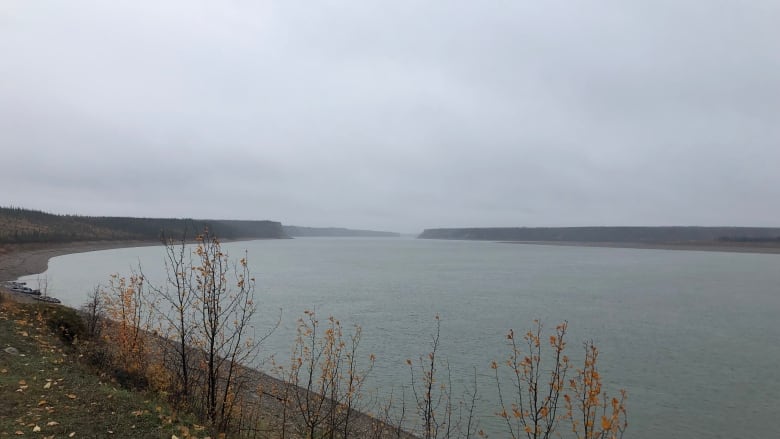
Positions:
(699, 246)
(24, 260)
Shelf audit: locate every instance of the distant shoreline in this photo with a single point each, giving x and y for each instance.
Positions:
(697, 246)
(27, 259)
(19, 260)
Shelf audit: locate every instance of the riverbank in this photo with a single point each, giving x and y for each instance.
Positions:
(49, 392)
(17, 260)
(265, 391)
(733, 247)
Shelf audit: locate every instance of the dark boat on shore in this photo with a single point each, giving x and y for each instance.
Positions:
(20, 287)
(47, 299)
(26, 290)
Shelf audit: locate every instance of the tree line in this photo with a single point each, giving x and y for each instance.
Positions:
(670, 235)
(19, 226)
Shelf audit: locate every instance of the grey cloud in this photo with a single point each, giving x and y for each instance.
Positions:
(395, 115)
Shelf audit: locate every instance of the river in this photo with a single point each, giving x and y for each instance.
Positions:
(691, 335)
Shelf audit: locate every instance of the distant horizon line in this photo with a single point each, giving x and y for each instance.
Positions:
(364, 228)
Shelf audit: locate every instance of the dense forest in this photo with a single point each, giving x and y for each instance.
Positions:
(650, 235)
(297, 231)
(19, 225)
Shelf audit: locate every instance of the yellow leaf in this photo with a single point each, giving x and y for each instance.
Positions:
(47, 385)
(36, 429)
(52, 423)
(72, 434)
(71, 396)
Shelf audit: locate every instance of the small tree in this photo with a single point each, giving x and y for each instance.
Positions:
(43, 284)
(324, 380)
(127, 305)
(94, 312)
(176, 308)
(224, 310)
(440, 414)
(533, 408)
(592, 413)
(204, 315)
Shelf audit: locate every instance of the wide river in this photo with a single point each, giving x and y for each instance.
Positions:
(693, 336)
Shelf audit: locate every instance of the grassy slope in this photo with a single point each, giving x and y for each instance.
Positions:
(47, 387)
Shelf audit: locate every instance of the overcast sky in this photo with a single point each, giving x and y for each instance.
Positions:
(397, 115)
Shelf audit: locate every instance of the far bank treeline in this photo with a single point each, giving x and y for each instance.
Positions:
(646, 235)
(20, 226)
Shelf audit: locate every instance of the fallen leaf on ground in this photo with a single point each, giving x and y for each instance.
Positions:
(36, 429)
(52, 423)
(71, 396)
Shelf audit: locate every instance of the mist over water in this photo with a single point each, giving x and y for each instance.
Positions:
(691, 335)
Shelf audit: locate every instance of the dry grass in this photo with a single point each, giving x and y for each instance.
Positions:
(48, 392)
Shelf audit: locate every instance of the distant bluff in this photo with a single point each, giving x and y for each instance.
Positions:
(610, 234)
(19, 225)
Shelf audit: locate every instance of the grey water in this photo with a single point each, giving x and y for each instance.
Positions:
(692, 336)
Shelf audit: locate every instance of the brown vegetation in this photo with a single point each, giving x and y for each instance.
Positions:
(190, 340)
